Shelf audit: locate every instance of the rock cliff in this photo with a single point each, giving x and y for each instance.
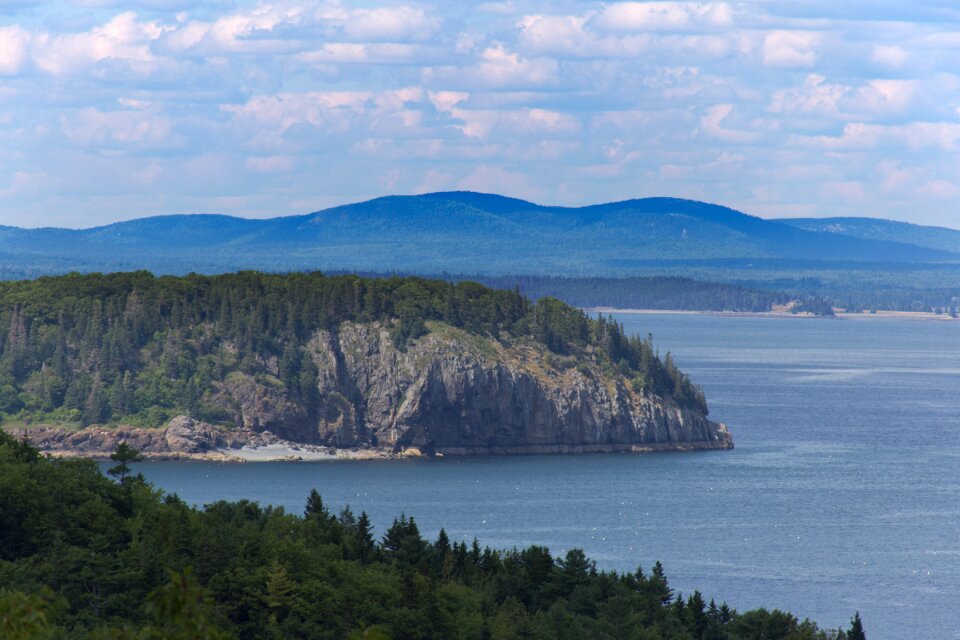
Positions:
(455, 392)
(448, 392)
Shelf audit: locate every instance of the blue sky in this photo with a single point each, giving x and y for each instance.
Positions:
(114, 110)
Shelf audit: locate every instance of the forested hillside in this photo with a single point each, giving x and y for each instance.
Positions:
(83, 557)
(455, 232)
(131, 347)
(667, 293)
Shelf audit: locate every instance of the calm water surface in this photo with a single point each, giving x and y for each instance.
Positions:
(843, 493)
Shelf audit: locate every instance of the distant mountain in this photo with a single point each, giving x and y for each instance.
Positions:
(454, 232)
(939, 238)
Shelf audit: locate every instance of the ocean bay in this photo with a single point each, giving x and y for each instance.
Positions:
(841, 495)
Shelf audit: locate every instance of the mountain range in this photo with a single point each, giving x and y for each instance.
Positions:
(466, 232)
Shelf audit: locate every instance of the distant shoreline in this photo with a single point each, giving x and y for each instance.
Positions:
(843, 315)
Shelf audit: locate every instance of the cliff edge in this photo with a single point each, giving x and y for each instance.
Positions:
(447, 392)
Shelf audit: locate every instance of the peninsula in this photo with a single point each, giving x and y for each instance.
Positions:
(210, 366)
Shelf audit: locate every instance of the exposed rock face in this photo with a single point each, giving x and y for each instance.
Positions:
(453, 392)
(449, 392)
(182, 438)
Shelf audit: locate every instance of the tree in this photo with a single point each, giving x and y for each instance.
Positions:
(315, 507)
(366, 545)
(856, 628)
(181, 611)
(24, 617)
(124, 455)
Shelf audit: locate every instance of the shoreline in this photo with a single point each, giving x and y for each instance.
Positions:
(277, 450)
(306, 453)
(841, 315)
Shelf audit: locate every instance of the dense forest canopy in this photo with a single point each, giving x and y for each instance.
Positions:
(661, 292)
(132, 347)
(84, 557)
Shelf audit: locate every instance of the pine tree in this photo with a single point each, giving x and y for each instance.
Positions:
(366, 545)
(315, 507)
(124, 455)
(443, 542)
(856, 628)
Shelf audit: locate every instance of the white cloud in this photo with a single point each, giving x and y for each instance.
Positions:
(132, 129)
(667, 16)
(791, 49)
(813, 97)
(238, 32)
(873, 99)
(571, 36)
(499, 67)
(24, 182)
(366, 53)
(496, 67)
(915, 136)
(301, 119)
(712, 123)
(279, 103)
(891, 56)
(391, 24)
(122, 38)
(526, 122)
(13, 48)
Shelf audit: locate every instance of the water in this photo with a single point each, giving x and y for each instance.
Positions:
(843, 493)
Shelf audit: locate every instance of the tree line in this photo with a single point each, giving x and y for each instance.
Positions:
(84, 557)
(650, 292)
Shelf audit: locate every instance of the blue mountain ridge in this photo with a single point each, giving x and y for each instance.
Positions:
(467, 232)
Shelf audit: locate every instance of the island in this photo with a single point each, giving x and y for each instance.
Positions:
(313, 365)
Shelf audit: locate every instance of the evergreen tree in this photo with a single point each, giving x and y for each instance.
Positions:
(856, 628)
(366, 545)
(123, 456)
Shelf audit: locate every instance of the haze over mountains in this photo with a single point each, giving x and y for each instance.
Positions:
(940, 238)
(473, 233)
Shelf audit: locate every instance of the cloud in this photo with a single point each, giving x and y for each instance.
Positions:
(890, 56)
(662, 16)
(132, 129)
(572, 36)
(123, 38)
(391, 24)
(298, 120)
(13, 49)
(872, 100)
(280, 106)
(712, 123)
(915, 136)
(496, 67)
(499, 67)
(791, 49)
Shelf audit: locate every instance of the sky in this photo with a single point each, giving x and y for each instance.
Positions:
(117, 110)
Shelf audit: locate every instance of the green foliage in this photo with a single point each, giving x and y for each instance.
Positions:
(123, 456)
(130, 347)
(128, 563)
(856, 631)
(656, 292)
(26, 617)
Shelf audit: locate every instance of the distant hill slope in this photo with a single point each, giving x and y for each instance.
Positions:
(456, 232)
(939, 238)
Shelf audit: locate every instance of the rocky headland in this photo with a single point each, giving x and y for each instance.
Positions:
(448, 392)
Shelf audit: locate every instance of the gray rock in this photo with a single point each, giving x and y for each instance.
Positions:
(449, 392)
